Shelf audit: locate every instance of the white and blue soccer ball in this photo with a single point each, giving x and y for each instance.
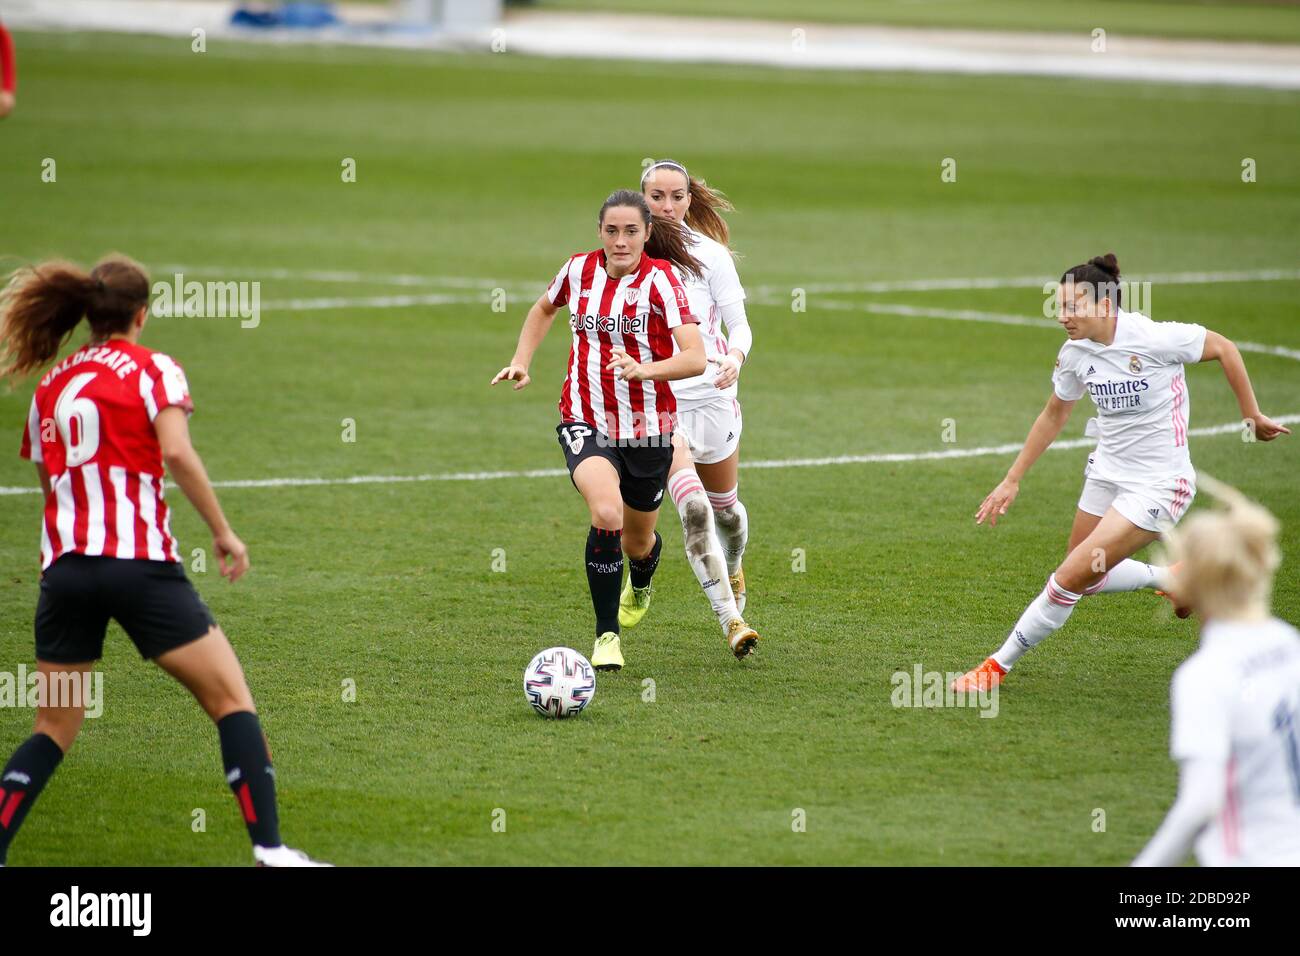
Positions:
(559, 682)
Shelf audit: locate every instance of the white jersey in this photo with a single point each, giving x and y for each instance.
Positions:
(1237, 699)
(1140, 390)
(718, 286)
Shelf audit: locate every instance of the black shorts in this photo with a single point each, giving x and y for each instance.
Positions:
(154, 602)
(642, 464)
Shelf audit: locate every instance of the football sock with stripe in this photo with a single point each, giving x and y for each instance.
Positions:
(604, 560)
(25, 775)
(1045, 614)
(641, 570)
(1128, 575)
(733, 525)
(250, 775)
(703, 550)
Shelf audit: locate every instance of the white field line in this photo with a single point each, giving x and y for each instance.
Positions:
(1026, 282)
(998, 318)
(768, 294)
(879, 458)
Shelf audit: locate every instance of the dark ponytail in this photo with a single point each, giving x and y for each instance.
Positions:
(43, 304)
(1099, 274)
(667, 238)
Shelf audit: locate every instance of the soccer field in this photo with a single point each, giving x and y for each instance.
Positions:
(483, 173)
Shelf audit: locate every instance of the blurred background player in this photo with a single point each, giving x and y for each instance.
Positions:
(1139, 480)
(8, 73)
(1235, 703)
(103, 423)
(627, 307)
(703, 480)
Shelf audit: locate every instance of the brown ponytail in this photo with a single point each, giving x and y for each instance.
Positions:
(667, 238)
(43, 304)
(707, 204)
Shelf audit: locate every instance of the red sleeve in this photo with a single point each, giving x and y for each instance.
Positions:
(558, 290)
(31, 446)
(8, 64)
(668, 297)
(163, 384)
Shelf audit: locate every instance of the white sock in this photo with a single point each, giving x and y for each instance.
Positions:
(1128, 575)
(702, 549)
(1045, 614)
(733, 526)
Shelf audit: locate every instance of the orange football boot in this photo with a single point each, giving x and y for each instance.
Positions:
(983, 678)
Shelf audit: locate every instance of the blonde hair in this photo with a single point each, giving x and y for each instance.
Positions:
(1228, 555)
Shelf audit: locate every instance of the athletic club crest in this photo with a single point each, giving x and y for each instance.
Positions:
(631, 296)
(1134, 365)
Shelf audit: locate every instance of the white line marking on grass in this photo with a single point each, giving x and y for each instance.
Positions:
(878, 458)
(998, 318)
(1025, 282)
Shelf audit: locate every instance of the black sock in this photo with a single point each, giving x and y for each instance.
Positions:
(250, 775)
(25, 775)
(641, 570)
(605, 576)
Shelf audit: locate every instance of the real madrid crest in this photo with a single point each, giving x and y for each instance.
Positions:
(1134, 365)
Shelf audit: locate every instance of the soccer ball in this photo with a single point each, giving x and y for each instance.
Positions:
(559, 682)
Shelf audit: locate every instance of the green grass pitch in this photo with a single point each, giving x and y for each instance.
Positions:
(491, 169)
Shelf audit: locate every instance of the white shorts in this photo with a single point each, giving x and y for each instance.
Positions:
(1156, 507)
(712, 431)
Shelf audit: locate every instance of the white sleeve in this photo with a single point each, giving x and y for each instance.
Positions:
(738, 334)
(1201, 712)
(1179, 341)
(1069, 387)
(1201, 788)
(724, 281)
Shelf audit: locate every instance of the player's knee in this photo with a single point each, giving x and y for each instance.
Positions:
(607, 515)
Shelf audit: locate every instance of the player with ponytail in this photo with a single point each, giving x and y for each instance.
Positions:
(632, 334)
(1139, 480)
(103, 423)
(704, 480)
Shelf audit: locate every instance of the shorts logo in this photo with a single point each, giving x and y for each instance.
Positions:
(730, 435)
(1134, 365)
(631, 296)
(1154, 513)
(575, 436)
(659, 494)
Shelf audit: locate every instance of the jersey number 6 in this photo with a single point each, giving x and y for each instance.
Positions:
(85, 413)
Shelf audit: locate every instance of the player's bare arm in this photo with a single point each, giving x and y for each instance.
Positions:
(1047, 426)
(536, 324)
(1221, 349)
(186, 468)
(688, 362)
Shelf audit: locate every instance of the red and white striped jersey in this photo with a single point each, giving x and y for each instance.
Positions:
(637, 312)
(91, 425)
